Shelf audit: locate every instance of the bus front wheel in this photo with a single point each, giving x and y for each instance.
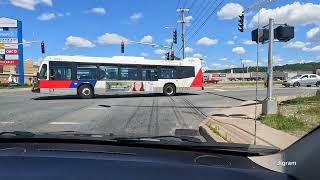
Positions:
(169, 90)
(85, 91)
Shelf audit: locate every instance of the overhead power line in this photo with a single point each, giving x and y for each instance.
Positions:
(202, 15)
(204, 23)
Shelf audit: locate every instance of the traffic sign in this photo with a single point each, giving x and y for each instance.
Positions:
(2, 51)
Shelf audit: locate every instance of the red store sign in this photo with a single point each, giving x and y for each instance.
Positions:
(11, 51)
(9, 62)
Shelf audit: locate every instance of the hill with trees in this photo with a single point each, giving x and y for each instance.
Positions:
(312, 66)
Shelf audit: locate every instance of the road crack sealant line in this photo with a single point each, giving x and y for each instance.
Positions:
(154, 116)
(193, 108)
(177, 113)
(132, 116)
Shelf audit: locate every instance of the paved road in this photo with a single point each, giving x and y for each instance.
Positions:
(130, 114)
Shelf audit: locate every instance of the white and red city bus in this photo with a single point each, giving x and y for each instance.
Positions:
(88, 76)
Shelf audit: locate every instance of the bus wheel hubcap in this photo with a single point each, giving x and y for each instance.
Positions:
(169, 90)
(86, 91)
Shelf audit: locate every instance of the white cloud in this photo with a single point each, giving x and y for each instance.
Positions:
(78, 42)
(168, 41)
(230, 11)
(111, 38)
(238, 50)
(223, 59)
(144, 54)
(30, 4)
(215, 65)
(46, 16)
(188, 50)
(313, 49)
(297, 45)
(98, 10)
(248, 42)
(230, 42)
(247, 62)
(147, 39)
(198, 55)
(229, 66)
(68, 14)
(160, 51)
(136, 16)
(277, 60)
(188, 19)
(207, 41)
(294, 14)
(314, 33)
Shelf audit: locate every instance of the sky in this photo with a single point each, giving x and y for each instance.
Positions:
(96, 28)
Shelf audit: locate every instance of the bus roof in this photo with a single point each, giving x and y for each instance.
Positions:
(124, 60)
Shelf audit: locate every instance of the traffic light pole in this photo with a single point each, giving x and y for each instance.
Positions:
(270, 59)
(269, 105)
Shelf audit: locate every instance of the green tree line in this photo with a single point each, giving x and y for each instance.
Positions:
(312, 66)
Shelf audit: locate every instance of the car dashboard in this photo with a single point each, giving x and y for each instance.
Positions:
(83, 161)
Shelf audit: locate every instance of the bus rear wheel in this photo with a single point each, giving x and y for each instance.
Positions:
(169, 90)
(85, 91)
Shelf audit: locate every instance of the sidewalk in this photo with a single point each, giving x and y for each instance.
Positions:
(237, 125)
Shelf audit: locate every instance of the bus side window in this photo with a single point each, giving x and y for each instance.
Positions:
(52, 73)
(168, 73)
(108, 73)
(88, 72)
(149, 74)
(60, 73)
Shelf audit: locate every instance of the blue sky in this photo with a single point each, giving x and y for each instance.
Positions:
(95, 28)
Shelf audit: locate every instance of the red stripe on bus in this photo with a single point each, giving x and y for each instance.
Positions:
(54, 83)
(197, 82)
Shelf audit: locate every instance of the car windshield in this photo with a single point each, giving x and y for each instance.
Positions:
(296, 77)
(172, 69)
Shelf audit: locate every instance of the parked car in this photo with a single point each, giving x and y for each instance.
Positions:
(303, 80)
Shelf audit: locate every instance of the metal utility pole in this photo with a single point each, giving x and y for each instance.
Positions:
(182, 21)
(270, 57)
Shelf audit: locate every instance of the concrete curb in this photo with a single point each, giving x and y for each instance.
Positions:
(224, 127)
(208, 134)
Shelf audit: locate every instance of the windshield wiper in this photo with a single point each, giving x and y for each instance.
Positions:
(17, 133)
(159, 138)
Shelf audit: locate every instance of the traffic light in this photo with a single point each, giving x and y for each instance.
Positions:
(172, 55)
(174, 39)
(284, 33)
(168, 56)
(122, 47)
(241, 23)
(43, 50)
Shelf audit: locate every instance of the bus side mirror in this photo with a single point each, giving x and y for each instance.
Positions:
(38, 75)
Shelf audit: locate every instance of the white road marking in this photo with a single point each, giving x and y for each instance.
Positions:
(219, 90)
(97, 108)
(64, 123)
(7, 122)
